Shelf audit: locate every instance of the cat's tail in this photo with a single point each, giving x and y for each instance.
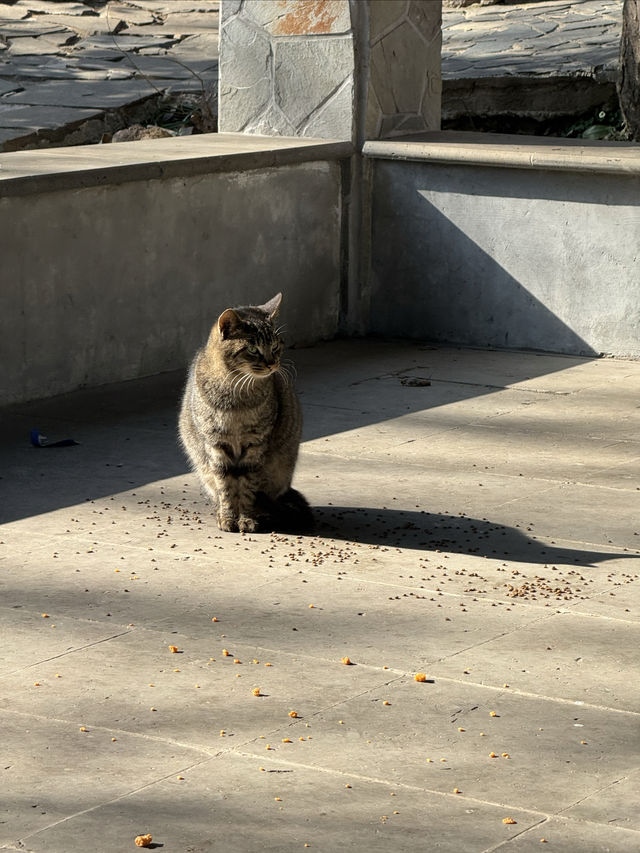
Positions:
(290, 513)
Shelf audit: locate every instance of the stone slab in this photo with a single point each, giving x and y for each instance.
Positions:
(42, 7)
(33, 637)
(283, 808)
(45, 45)
(389, 587)
(422, 721)
(44, 782)
(30, 118)
(100, 94)
(9, 86)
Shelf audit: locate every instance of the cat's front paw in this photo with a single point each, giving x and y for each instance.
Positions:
(228, 523)
(247, 524)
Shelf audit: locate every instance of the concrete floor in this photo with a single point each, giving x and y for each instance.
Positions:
(481, 529)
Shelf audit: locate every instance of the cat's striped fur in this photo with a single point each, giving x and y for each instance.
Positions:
(240, 423)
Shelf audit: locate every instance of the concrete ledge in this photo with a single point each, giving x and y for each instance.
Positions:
(27, 172)
(511, 152)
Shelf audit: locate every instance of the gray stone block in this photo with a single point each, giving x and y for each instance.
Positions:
(272, 122)
(307, 72)
(229, 8)
(422, 16)
(399, 82)
(383, 14)
(245, 71)
(334, 119)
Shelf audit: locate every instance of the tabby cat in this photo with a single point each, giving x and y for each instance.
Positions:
(240, 423)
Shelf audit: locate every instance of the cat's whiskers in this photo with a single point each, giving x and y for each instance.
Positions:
(229, 377)
(239, 382)
(284, 373)
(290, 367)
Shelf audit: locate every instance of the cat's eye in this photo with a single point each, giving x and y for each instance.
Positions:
(251, 349)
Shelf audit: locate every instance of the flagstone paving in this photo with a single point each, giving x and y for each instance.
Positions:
(480, 528)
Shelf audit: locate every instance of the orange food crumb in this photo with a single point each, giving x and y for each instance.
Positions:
(456, 790)
(347, 785)
(173, 650)
(460, 729)
(235, 660)
(268, 664)
(215, 619)
(256, 691)
(45, 615)
(293, 714)
(386, 702)
(492, 755)
(83, 728)
(346, 661)
(420, 676)
(508, 820)
(226, 653)
(143, 840)
(286, 740)
(492, 714)
(506, 755)
(311, 606)
(278, 799)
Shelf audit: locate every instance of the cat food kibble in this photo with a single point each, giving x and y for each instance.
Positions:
(420, 676)
(143, 840)
(174, 650)
(346, 661)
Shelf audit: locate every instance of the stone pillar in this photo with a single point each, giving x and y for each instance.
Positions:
(404, 81)
(348, 69)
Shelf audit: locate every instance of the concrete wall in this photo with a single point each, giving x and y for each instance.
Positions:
(506, 257)
(105, 283)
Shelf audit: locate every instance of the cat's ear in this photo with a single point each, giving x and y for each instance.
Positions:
(228, 321)
(271, 307)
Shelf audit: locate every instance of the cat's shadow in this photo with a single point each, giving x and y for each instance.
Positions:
(423, 531)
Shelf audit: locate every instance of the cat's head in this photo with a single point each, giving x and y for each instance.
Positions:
(248, 340)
